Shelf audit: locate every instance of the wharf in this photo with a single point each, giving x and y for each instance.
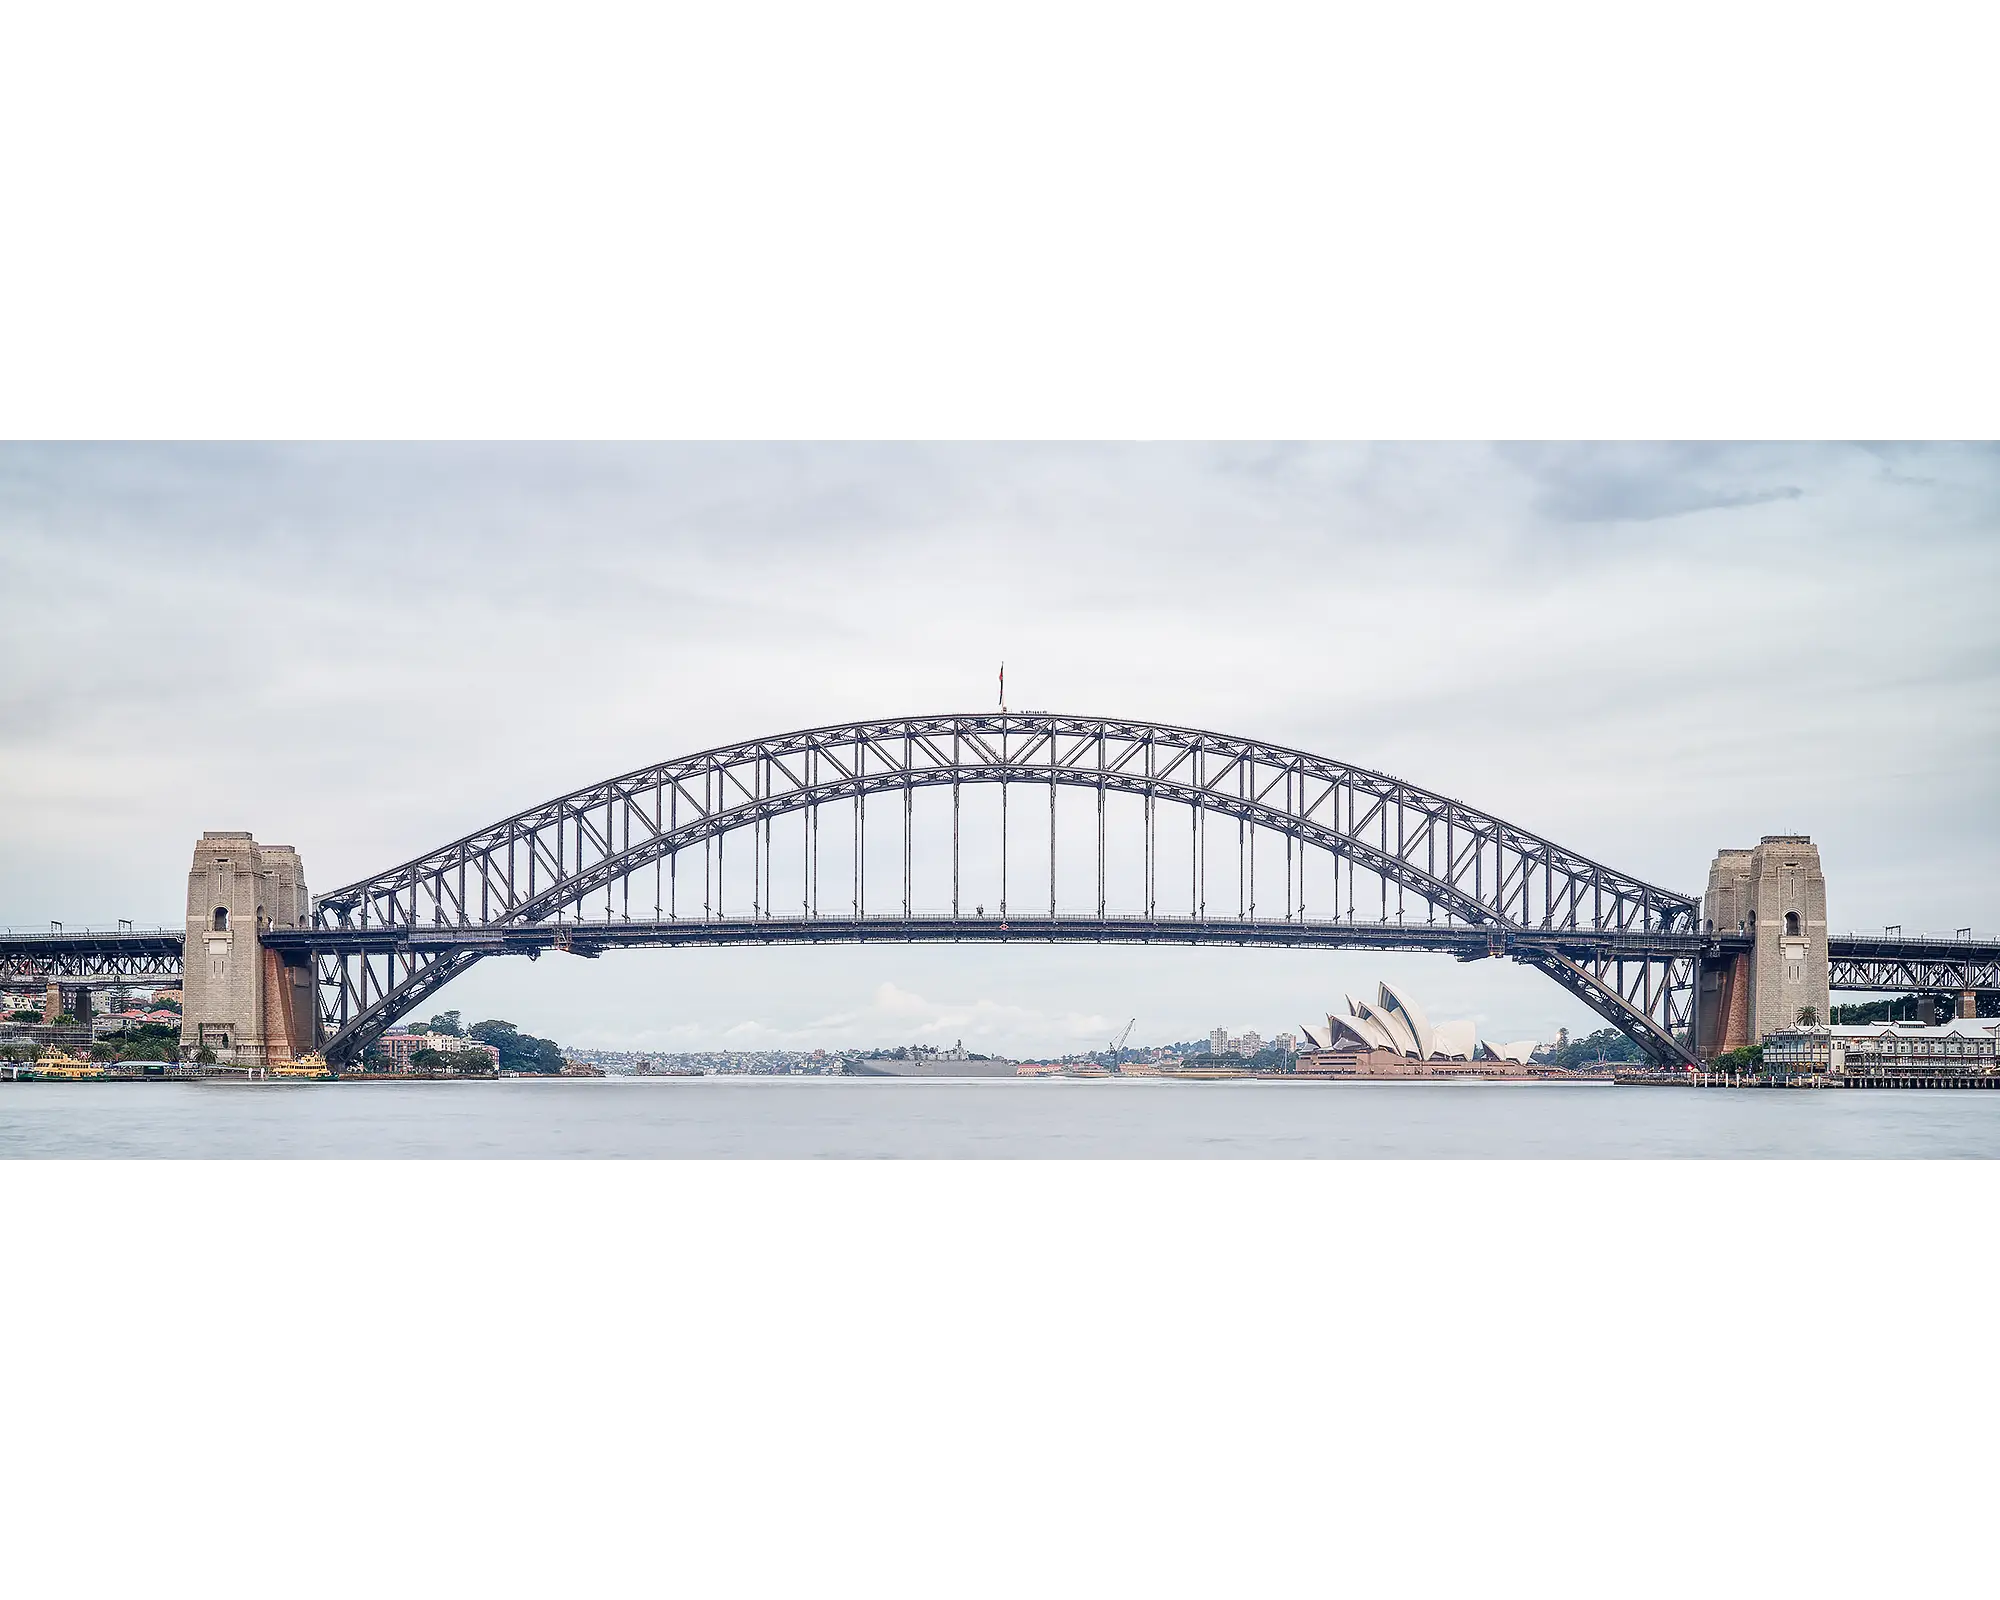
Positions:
(1917, 1080)
(1803, 1080)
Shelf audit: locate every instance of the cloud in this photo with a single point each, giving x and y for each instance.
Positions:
(1645, 483)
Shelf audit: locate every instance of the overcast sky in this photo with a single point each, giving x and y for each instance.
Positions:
(1642, 652)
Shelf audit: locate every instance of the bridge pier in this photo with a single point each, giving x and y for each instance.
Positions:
(1723, 1000)
(66, 999)
(1775, 893)
(238, 998)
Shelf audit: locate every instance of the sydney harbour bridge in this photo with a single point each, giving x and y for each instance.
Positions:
(984, 828)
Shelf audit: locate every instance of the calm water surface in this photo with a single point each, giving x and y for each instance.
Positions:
(887, 1117)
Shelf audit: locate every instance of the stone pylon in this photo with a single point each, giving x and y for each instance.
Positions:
(239, 999)
(1775, 893)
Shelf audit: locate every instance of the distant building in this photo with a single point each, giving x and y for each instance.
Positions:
(132, 1017)
(1218, 1042)
(399, 1047)
(1251, 1042)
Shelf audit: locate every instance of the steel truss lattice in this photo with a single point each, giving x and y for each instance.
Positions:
(1424, 859)
(97, 959)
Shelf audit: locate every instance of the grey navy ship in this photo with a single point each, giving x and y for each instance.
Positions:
(956, 1062)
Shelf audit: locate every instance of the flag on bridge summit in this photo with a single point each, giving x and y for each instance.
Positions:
(1003, 686)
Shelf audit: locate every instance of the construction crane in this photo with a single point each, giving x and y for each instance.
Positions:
(1118, 1044)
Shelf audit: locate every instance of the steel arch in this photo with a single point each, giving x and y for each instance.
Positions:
(1478, 870)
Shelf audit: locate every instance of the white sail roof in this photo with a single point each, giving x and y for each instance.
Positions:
(1454, 1041)
(1361, 1029)
(1392, 1024)
(1411, 1016)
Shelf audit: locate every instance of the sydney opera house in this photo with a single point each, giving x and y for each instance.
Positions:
(1391, 1037)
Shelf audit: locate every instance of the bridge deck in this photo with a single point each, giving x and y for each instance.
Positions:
(1860, 961)
(591, 938)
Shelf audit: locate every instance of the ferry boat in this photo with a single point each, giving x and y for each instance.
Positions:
(310, 1065)
(61, 1065)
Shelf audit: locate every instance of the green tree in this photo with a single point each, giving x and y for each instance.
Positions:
(447, 1022)
(427, 1060)
(148, 1041)
(519, 1052)
(1904, 1008)
(205, 1056)
(1607, 1044)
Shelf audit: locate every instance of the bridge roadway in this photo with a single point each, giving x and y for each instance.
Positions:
(1860, 962)
(588, 938)
(91, 956)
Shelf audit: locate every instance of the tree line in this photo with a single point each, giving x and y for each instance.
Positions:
(519, 1052)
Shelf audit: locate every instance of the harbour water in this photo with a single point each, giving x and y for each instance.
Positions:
(749, 1117)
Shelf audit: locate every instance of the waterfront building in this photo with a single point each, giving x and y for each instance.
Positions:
(1218, 1041)
(1886, 1049)
(1391, 1036)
